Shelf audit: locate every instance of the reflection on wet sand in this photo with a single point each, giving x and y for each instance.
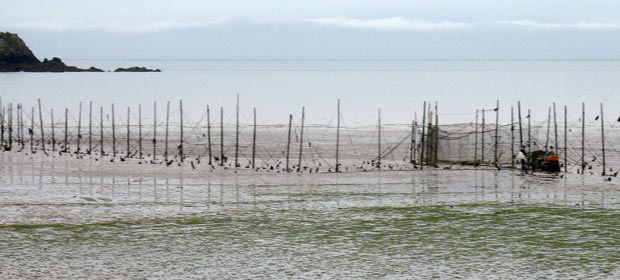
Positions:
(121, 184)
(386, 223)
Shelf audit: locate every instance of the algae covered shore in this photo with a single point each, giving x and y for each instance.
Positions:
(67, 218)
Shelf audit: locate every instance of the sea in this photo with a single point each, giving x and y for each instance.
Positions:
(277, 88)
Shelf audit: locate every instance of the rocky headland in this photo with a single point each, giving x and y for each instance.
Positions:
(15, 56)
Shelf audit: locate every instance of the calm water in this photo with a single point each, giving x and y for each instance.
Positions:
(278, 88)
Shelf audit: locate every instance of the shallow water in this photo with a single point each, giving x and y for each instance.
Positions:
(66, 218)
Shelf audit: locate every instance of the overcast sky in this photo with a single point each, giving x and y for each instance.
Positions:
(319, 29)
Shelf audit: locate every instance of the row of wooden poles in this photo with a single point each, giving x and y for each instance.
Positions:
(428, 153)
(7, 117)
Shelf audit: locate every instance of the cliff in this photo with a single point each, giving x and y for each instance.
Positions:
(15, 56)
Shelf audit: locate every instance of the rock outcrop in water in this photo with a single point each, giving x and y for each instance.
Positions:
(136, 69)
(15, 56)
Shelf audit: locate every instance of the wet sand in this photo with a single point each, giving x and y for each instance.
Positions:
(67, 218)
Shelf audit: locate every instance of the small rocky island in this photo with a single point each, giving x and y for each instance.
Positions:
(15, 56)
(136, 69)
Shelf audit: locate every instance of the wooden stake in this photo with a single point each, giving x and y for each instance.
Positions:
(21, 117)
(436, 142)
(583, 137)
(140, 132)
(181, 138)
(415, 137)
(90, 127)
(520, 125)
(379, 138)
(555, 129)
(495, 159)
(79, 132)
(482, 140)
(166, 134)
(101, 126)
(128, 131)
(20, 125)
(1, 125)
(41, 126)
(2, 128)
(565, 139)
(422, 138)
(548, 130)
(53, 134)
(476, 140)
(113, 133)
(237, 135)
(512, 137)
(529, 136)
(66, 149)
(412, 143)
(222, 136)
(10, 126)
(338, 136)
(429, 141)
(17, 115)
(288, 141)
(209, 136)
(253, 140)
(31, 132)
(154, 132)
(603, 138)
(301, 138)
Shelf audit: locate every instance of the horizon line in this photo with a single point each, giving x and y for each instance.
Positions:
(349, 59)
